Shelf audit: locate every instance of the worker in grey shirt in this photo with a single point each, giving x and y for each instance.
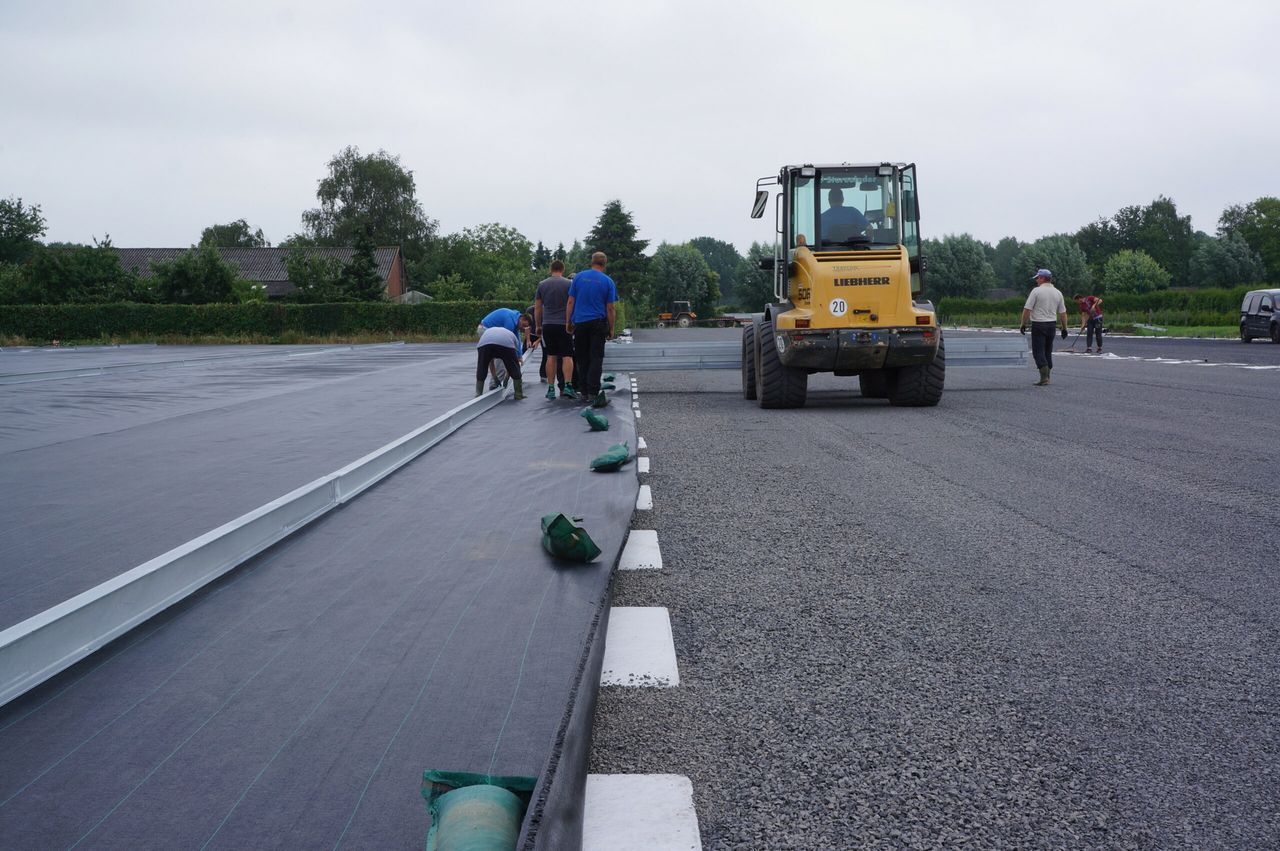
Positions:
(549, 320)
(1045, 309)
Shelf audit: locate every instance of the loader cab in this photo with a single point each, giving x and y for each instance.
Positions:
(845, 207)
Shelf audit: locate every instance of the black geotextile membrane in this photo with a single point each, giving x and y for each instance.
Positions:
(102, 473)
(297, 702)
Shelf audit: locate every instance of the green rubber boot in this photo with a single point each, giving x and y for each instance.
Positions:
(519, 385)
(480, 387)
(1044, 377)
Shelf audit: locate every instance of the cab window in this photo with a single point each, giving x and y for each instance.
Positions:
(802, 211)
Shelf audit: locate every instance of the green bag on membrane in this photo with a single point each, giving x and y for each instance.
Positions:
(598, 422)
(608, 376)
(613, 458)
(564, 540)
(608, 385)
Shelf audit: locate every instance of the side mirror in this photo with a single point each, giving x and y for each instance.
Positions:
(767, 263)
(762, 201)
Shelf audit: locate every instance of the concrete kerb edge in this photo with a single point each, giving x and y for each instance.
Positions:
(47, 643)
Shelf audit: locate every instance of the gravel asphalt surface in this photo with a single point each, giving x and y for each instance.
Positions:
(1027, 618)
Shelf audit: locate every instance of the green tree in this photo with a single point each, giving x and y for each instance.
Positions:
(233, 235)
(615, 234)
(1134, 272)
(680, 273)
(577, 258)
(1100, 241)
(541, 258)
(80, 273)
(1167, 237)
(957, 266)
(450, 288)
(1258, 224)
(724, 260)
(316, 279)
(1226, 262)
(755, 285)
(21, 227)
(1004, 260)
(360, 278)
(369, 191)
(197, 276)
(1060, 255)
(497, 258)
(558, 254)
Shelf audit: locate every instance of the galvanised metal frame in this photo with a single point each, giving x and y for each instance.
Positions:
(659, 357)
(43, 645)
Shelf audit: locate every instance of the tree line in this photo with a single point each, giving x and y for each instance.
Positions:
(368, 200)
(1138, 249)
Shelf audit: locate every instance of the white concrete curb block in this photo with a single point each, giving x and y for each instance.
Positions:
(639, 812)
(639, 650)
(640, 444)
(642, 463)
(642, 551)
(39, 647)
(644, 499)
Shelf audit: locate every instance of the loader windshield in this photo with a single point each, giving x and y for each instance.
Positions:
(846, 209)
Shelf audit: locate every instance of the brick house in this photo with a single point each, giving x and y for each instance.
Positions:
(266, 266)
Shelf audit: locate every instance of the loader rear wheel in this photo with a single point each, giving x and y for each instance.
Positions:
(874, 385)
(777, 386)
(684, 322)
(919, 386)
(749, 362)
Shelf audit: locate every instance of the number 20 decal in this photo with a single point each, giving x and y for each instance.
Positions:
(838, 307)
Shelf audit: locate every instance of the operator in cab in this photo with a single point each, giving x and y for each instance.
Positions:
(838, 219)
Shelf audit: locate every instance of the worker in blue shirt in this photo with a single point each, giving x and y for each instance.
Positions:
(592, 315)
(515, 322)
(837, 219)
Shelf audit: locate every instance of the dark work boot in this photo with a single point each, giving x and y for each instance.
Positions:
(1044, 377)
(480, 387)
(519, 385)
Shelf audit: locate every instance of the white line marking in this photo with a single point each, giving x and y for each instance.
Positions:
(640, 444)
(642, 463)
(639, 812)
(642, 551)
(637, 413)
(644, 500)
(639, 650)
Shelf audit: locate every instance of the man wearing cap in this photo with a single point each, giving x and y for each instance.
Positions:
(1045, 309)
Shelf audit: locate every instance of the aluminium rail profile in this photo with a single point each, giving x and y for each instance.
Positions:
(676, 356)
(47, 643)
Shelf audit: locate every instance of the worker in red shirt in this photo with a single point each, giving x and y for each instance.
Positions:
(1090, 320)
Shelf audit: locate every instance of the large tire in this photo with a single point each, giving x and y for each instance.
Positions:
(684, 322)
(919, 386)
(662, 323)
(1275, 333)
(1244, 335)
(777, 386)
(874, 385)
(749, 362)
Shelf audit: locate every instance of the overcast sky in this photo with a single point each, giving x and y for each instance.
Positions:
(150, 121)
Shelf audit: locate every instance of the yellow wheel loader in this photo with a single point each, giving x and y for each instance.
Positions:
(848, 282)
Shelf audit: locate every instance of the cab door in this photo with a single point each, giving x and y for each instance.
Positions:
(910, 217)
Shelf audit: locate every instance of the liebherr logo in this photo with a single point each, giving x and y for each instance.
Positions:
(861, 282)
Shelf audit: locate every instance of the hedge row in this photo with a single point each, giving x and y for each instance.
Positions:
(101, 321)
(1215, 301)
(42, 322)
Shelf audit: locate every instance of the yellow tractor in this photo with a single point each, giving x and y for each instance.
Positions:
(848, 282)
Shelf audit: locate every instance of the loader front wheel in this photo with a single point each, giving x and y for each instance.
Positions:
(919, 386)
(749, 362)
(777, 386)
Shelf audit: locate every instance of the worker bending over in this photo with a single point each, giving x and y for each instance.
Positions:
(498, 344)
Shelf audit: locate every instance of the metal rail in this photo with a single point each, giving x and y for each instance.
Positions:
(677, 356)
(43, 645)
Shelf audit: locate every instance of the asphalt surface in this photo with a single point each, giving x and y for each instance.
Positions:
(1027, 618)
(296, 702)
(110, 457)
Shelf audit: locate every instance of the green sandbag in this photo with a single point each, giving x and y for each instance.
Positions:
(608, 385)
(474, 812)
(608, 376)
(612, 459)
(564, 540)
(598, 422)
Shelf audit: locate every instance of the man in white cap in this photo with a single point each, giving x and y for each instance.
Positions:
(1045, 309)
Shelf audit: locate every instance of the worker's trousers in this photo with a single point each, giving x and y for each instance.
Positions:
(1042, 343)
(588, 354)
(490, 352)
(1093, 329)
